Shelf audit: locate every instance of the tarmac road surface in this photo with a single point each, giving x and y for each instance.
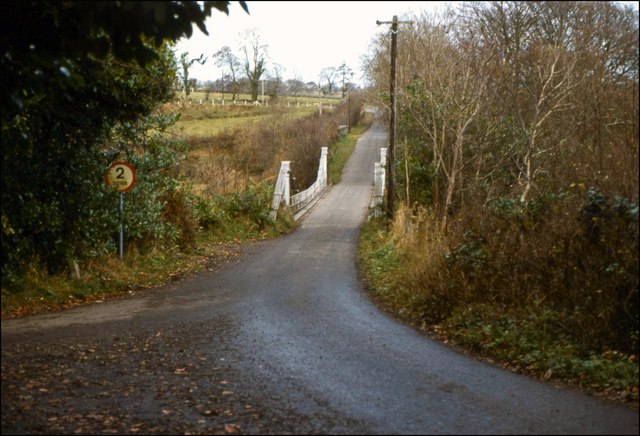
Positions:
(283, 340)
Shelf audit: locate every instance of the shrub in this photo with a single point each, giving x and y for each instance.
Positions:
(252, 204)
(178, 212)
(574, 253)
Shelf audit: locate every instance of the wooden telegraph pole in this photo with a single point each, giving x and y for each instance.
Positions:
(392, 118)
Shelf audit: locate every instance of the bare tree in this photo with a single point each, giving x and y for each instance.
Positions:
(446, 90)
(185, 64)
(533, 77)
(329, 75)
(512, 99)
(275, 80)
(551, 87)
(255, 57)
(225, 58)
(295, 86)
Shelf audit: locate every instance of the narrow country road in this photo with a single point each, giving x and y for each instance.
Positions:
(284, 340)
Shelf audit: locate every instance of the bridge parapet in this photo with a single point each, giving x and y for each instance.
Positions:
(299, 202)
(379, 179)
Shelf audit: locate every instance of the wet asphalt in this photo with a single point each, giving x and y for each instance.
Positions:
(284, 340)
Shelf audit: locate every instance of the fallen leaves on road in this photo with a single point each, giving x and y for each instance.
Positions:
(183, 379)
(230, 428)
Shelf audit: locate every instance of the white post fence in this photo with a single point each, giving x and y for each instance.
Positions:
(298, 202)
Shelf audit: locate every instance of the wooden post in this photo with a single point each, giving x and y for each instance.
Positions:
(392, 117)
(282, 191)
(392, 122)
(324, 152)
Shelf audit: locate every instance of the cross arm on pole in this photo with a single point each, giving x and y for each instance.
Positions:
(378, 22)
(394, 23)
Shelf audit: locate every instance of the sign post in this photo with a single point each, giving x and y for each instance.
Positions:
(122, 176)
(121, 238)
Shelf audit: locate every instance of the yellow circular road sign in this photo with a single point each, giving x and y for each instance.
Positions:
(121, 175)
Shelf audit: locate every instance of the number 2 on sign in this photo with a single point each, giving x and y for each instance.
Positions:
(121, 176)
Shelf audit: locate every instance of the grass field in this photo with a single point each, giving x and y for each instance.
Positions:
(209, 127)
(196, 96)
(207, 119)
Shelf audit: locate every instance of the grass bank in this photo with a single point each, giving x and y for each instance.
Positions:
(532, 340)
(233, 220)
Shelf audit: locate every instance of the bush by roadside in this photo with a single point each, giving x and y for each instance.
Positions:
(532, 289)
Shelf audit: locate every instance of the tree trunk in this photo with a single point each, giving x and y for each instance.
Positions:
(451, 180)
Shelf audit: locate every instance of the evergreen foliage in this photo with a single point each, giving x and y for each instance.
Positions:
(82, 82)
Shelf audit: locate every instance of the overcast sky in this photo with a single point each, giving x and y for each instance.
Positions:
(302, 36)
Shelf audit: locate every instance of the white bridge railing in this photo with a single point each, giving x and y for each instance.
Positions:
(298, 202)
(379, 179)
